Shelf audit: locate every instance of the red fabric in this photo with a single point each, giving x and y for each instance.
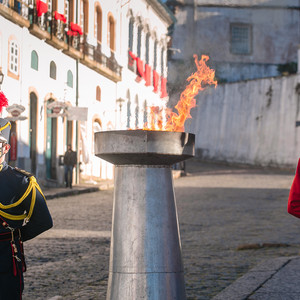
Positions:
(294, 197)
(61, 17)
(41, 7)
(72, 33)
(76, 28)
(163, 88)
(3, 101)
(155, 81)
(140, 67)
(132, 55)
(147, 75)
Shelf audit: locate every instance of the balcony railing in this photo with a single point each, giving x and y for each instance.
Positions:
(20, 7)
(94, 53)
(58, 34)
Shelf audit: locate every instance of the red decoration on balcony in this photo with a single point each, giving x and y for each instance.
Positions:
(76, 28)
(163, 87)
(155, 81)
(131, 58)
(132, 55)
(41, 7)
(61, 17)
(147, 75)
(72, 33)
(140, 67)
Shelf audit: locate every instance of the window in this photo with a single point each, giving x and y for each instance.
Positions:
(162, 62)
(50, 5)
(14, 57)
(111, 33)
(97, 126)
(34, 60)
(69, 11)
(53, 70)
(86, 16)
(98, 23)
(147, 48)
(145, 112)
(139, 41)
(70, 79)
(137, 109)
(155, 56)
(241, 42)
(128, 109)
(98, 93)
(54, 5)
(130, 41)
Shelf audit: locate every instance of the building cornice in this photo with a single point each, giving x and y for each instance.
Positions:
(163, 11)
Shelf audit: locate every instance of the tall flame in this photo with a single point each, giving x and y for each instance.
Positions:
(198, 81)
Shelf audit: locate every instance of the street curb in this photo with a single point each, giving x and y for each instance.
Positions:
(76, 191)
(249, 283)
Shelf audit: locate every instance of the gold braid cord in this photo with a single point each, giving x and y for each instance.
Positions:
(32, 187)
(6, 125)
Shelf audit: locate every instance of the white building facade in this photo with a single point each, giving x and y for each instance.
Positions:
(75, 68)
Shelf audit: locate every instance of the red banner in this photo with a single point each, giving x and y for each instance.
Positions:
(155, 81)
(163, 87)
(132, 55)
(61, 17)
(147, 75)
(41, 8)
(140, 67)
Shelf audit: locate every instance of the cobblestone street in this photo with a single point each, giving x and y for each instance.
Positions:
(231, 218)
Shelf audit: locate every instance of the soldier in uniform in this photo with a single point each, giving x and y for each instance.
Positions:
(23, 216)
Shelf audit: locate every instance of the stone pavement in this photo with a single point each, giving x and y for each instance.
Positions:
(238, 241)
(274, 279)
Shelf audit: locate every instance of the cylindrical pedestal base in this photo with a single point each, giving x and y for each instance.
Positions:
(145, 258)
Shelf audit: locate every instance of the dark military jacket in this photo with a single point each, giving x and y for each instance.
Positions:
(23, 211)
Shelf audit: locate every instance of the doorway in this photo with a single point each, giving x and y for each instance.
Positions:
(33, 131)
(51, 141)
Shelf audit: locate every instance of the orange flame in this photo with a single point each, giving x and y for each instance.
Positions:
(198, 81)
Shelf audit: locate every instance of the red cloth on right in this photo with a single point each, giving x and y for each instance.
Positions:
(294, 197)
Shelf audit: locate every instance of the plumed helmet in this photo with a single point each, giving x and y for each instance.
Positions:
(4, 130)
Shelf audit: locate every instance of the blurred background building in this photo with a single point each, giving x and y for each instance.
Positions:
(245, 40)
(253, 115)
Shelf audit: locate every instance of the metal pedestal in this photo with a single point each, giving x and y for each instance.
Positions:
(145, 257)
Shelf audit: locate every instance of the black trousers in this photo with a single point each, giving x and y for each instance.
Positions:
(11, 287)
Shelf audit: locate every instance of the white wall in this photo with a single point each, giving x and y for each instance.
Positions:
(249, 122)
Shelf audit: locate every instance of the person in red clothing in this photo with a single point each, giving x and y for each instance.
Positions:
(293, 207)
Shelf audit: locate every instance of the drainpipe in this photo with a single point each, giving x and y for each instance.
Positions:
(77, 92)
(298, 70)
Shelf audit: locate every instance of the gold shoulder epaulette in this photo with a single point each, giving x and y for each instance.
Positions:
(24, 172)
